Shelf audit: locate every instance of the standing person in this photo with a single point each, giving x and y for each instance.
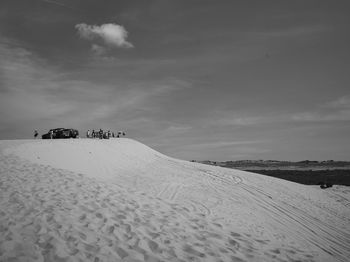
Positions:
(88, 133)
(51, 134)
(93, 133)
(101, 133)
(35, 134)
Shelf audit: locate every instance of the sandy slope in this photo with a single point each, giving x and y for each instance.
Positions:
(118, 200)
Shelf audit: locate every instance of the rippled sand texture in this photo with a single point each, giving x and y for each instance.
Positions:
(118, 200)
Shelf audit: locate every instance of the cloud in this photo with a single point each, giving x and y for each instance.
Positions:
(342, 115)
(175, 130)
(112, 35)
(221, 144)
(186, 149)
(340, 103)
(27, 87)
(58, 4)
(239, 121)
(331, 111)
(297, 31)
(335, 110)
(98, 50)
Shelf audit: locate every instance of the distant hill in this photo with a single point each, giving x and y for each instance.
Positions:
(305, 172)
(282, 165)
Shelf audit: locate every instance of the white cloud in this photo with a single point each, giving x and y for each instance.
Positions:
(342, 115)
(221, 144)
(239, 121)
(297, 31)
(112, 35)
(335, 110)
(27, 87)
(341, 102)
(98, 50)
(58, 4)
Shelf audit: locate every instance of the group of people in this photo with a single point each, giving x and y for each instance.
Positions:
(103, 134)
(93, 134)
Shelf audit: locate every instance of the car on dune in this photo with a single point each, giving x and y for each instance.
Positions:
(61, 133)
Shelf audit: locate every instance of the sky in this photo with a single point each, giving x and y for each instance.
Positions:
(205, 80)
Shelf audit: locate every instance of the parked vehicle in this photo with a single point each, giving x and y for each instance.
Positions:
(61, 133)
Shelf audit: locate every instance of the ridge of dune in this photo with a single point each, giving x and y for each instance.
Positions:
(119, 200)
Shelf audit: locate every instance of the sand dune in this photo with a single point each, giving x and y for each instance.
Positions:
(119, 200)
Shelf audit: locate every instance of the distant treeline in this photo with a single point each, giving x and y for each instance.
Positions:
(310, 177)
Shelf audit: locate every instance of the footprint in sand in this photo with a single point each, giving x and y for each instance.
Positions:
(167, 241)
(214, 235)
(192, 251)
(111, 230)
(127, 228)
(99, 215)
(121, 217)
(154, 235)
(153, 246)
(233, 243)
(200, 237)
(82, 235)
(91, 248)
(223, 250)
(237, 259)
(121, 252)
(235, 234)
(82, 217)
(262, 241)
(276, 251)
